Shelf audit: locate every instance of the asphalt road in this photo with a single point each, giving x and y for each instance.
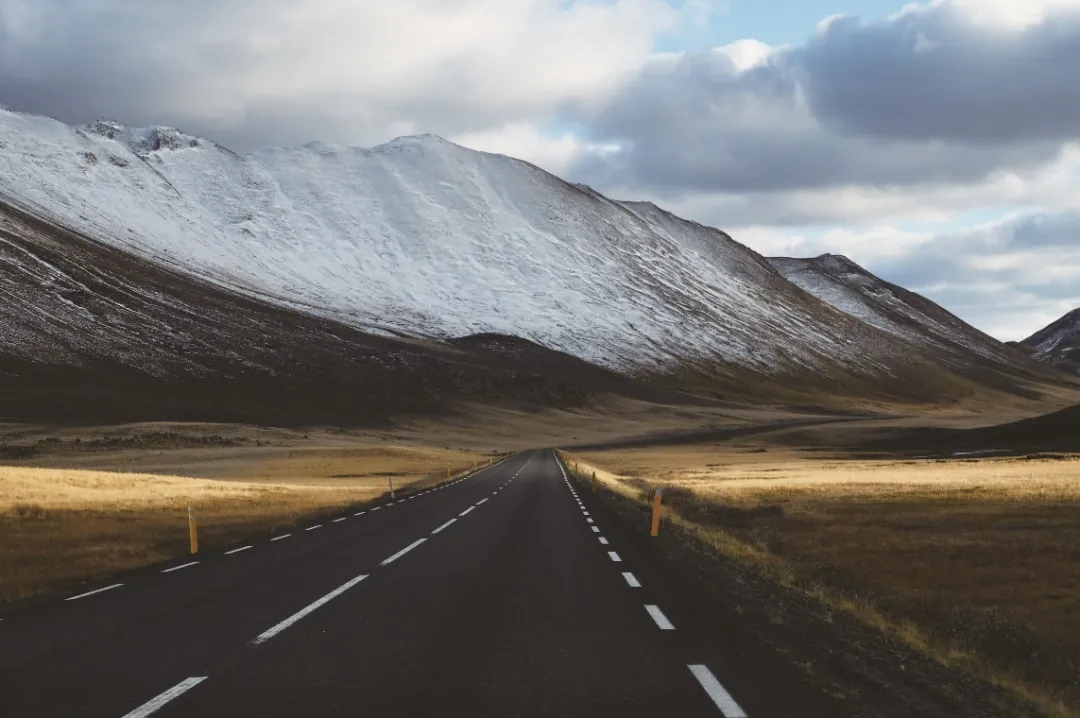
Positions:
(508, 593)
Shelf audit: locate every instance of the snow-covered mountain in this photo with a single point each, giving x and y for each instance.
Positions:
(424, 240)
(1058, 343)
(906, 315)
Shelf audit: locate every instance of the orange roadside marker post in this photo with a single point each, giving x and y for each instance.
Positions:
(656, 514)
(193, 532)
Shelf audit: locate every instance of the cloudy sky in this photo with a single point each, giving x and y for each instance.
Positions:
(937, 143)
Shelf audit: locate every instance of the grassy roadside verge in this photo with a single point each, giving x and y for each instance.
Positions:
(62, 527)
(716, 533)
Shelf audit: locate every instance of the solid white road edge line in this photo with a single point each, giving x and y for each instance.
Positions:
(614, 556)
(282, 536)
(466, 511)
(443, 526)
(91, 593)
(237, 550)
(273, 631)
(660, 618)
(177, 568)
(720, 697)
(155, 703)
(403, 551)
(631, 579)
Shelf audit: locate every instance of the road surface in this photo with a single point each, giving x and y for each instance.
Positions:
(508, 593)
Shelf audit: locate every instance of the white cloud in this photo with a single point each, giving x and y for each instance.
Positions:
(555, 153)
(748, 53)
(276, 71)
(997, 14)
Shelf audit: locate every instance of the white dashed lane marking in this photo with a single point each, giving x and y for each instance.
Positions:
(282, 536)
(312, 528)
(443, 526)
(154, 704)
(603, 541)
(237, 550)
(720, 697)
(631, 579)
(466, 511)
(403, 551)
(614, 557)
(91, 593)
(273, 631)
(337, 521)
(185, 565)
(660, 618)
(595, 529)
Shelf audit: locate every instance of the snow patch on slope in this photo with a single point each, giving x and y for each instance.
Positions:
(842, 283)
(422, 237)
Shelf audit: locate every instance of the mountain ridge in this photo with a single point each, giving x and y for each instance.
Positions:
(1058, 343)
(425, 241)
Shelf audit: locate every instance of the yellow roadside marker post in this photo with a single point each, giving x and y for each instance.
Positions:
(656, 514)
(193, 532)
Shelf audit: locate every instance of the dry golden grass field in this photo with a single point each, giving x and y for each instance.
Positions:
(61, 525)
(977, 561)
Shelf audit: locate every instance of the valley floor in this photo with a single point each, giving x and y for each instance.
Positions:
(972, 561)
(969, 561)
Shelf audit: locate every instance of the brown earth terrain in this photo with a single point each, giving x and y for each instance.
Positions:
(970, 562)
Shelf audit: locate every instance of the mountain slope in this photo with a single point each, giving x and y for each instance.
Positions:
(422, 241)
(1058, 343)
(906, 315)
(90, 333)
(421, 237)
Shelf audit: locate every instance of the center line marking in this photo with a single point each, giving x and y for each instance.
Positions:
(337, 521)
(312, 528)
(603, 541)
(631, 579)
(596, 529)
(177, 568)
(266, 635)
(466, 511)
(91, 593)
(237, 550)
(589, 520)
(282, 536)
(155, 703)
(443, 526)
(660, 618)
(360, 513)
(376, 508)
(480, 501)
(403, 551)
(720, 697)
(614, 556)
